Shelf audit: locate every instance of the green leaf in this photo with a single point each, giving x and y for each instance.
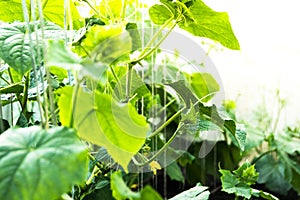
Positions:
(204, 85)
(40, 164)
(240, 180)
(174, 172)
(15, 47)
(13, 88)
(198, 192)
(265, 195)
(216, 115)
(271, 173)
(107, 43)
(159, 14)
(148, 193)
(102, 121)
(111, 11)
(52, 11)
(59, 55)
(205, 22)
(231, 184)
(119, 188)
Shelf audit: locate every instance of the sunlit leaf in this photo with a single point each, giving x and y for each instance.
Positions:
(102, 121)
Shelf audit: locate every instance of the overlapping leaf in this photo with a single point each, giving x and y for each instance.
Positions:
(22, 46)
(102, 121)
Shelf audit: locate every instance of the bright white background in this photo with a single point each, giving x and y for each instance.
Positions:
(269, 59)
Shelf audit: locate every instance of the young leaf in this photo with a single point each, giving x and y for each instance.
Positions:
(15, 47)
(119, 188)
(198, 192)
(205, 22)
(40, 164)
(102, 121)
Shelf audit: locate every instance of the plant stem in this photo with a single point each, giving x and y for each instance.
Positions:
(262, 155)
(165, 124)
(25, 92)
(162, 148)
(74, 101)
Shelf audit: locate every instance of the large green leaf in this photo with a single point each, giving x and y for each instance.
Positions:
(205, 22)
(11, 10)
(102, 121)
(272, 174)
(16, 49)
(198, 192)
(40, 164)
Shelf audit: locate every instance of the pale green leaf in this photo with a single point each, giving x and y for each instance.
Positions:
(148, 193)
(102, 121)
(204, 85)
(198, 192)
(159, 14)
(16, 49)
(208, 23)
(54, 11)
(40, 164)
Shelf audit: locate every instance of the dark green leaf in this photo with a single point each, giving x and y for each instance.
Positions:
(272, 174)
(13, 88)
(15, 46)
(40, 164)
(174, 172)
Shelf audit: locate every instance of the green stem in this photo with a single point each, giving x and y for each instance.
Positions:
(92, 7)
(165, 124)
(74, 101)
(262, 155)
(162, 148)
(25, 92)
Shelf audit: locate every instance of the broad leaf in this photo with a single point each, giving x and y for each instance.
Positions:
(40, 164)
(16, 49)
(198, 192)
(119, 188)
(13, 88)
(272, 173)
(52, 11)
(160, 14)
(102, 121)
(205, 22)
(239, 181)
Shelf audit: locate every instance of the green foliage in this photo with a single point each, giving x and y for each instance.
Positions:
(52, 11)
(174, 172)
(122, 192)
(40, 164)
(21, 46)
(240, 180)
(198, 19)
(102, 121)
